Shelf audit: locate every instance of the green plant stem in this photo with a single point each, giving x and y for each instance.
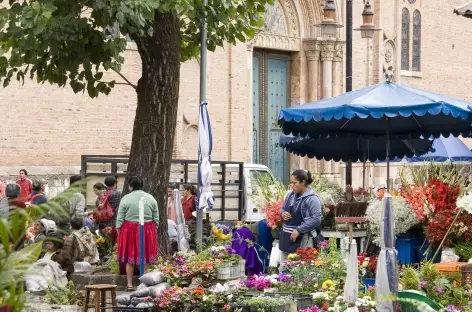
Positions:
(447, 233)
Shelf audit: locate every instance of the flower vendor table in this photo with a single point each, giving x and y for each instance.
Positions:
(360, 234)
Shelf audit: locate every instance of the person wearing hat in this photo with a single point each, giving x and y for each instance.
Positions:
(54, 245)
(38, 233)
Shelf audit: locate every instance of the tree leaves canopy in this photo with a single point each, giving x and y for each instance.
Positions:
(69, 41)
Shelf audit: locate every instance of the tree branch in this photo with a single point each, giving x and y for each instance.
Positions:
(126, 79)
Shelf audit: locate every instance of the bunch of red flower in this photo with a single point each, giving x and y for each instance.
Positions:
(272, 214)
(440, 200)
(371, 266)
(307, 254)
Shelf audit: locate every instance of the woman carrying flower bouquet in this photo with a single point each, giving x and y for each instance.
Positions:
(127, 225)
(302, 215)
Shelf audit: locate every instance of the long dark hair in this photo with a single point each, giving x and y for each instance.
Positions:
(303, 176)
(191, 188)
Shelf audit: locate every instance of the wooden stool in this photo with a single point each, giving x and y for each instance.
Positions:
(100, 296)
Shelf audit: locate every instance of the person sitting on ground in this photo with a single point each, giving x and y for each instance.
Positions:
(80, 244)
(38, 233)
(75, 208)
(56, 253)
(37, 197)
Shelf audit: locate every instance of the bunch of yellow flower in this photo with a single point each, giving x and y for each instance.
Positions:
(293, 256)
(328, 284)
(101, 240)
(218, 232)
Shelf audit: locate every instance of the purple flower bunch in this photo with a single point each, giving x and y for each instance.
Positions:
(283, 277)
(452, 308)
(439, 290)
(224, 228)
(423, 284)
(230, 250)
(323, 244)
(180, 261)
(259, 282)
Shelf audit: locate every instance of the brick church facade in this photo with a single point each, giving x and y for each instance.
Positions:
(290, 61)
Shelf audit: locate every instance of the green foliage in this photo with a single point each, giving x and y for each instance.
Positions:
(421, 175)
(409, 279)
(68, 295)
(14, 263)
(64, 42)
(464, 250)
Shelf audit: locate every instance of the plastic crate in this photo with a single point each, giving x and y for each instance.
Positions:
(464, 268)
(422, 257)
(406, 248)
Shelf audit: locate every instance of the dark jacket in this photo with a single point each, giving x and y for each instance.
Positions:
(310, 210)
(38, 198)
(63, 259)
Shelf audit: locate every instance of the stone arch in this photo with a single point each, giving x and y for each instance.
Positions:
(312, 13)
(281, 29)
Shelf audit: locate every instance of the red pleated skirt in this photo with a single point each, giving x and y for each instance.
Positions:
(128, 243)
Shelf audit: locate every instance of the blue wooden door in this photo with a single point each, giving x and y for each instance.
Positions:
(270, 94)
(277, 98)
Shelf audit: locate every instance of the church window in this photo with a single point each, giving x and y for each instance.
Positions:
(416, 60)
(405, 56)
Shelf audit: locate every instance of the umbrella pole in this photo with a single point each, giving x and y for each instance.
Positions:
(363, 172)
(388, 154)
(203, 65)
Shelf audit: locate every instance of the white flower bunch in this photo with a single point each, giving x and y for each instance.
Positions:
(405, 217)
(465, 202)
(219, 289)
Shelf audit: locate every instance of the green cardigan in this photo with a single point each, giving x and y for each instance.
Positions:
(129, 208)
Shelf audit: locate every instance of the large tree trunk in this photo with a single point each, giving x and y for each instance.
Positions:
(156, 113)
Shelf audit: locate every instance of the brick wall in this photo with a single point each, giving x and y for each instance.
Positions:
(49, 126)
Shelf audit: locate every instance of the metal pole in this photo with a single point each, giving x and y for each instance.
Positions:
(349, 71)
(203, 65)
(388, 155)
(141, 237)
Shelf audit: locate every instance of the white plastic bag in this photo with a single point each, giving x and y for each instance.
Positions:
(274, 259)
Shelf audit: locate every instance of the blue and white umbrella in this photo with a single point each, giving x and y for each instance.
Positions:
(205, 146)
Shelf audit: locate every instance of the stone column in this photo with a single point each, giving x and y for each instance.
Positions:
(327, 55)
(312, 52)
(338, 68)
(337, 86)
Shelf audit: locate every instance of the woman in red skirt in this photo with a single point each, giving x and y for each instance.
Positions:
(127, 225)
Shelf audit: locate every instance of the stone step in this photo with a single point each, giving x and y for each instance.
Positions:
(82, 279)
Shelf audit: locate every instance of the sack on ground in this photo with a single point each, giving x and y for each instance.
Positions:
(143, 305)
(124, 300)
(143, 292)
(152, 278)
(135, 301)
(81, 267)
(141, 286)
(155, 291)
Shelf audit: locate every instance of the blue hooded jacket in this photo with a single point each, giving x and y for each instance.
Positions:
(306, 217)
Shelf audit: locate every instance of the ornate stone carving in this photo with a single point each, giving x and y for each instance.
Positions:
(312, 49)
(389, 60)
(327, 50)
(264, 40)
(338, 51)
(274, 20)
(281, 29)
